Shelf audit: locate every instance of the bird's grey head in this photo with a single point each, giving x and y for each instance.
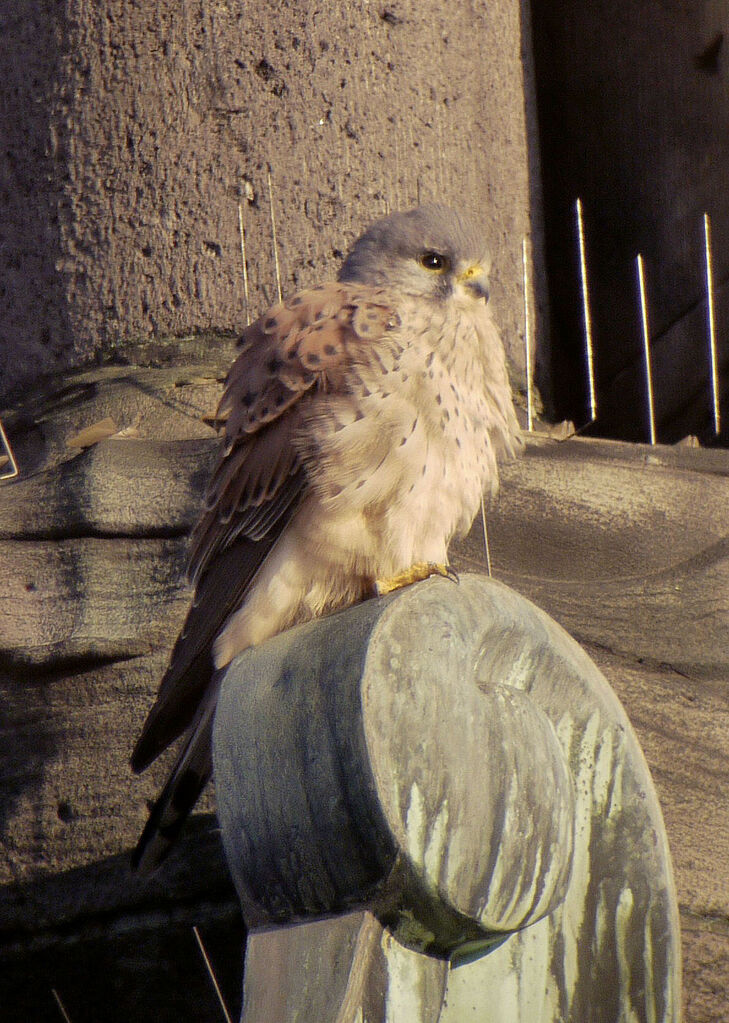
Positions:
(432, 252)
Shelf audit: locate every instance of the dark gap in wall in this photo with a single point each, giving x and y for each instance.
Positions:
(632, 122)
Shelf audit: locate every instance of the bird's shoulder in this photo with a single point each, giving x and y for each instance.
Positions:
(307, 341)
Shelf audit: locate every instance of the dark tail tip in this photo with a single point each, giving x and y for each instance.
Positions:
(166, 819)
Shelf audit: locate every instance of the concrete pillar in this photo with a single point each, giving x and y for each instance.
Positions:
(132, 133)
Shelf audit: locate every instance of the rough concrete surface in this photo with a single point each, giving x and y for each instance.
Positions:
(133, 131)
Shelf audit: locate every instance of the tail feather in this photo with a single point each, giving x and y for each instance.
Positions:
(186, 782)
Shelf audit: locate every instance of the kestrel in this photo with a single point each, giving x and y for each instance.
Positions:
(363, 423)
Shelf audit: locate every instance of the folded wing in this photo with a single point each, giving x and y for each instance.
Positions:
(301, 347)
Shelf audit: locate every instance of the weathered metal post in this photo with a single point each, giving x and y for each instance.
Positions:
(442, 778)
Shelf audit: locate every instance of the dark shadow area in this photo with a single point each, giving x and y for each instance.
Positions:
(28, 740)
(132, 959)
(541, 330)
(153, 972)
(33, 303)
(633, 123)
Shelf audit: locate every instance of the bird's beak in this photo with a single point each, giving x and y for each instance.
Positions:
(475, 280)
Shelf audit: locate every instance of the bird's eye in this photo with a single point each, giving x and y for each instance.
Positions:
(434, 261)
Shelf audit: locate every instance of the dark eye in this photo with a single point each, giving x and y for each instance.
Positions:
(434, 261)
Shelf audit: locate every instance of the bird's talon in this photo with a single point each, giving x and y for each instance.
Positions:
(416, 573)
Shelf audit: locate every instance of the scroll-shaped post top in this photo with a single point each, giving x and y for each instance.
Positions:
(448, 759)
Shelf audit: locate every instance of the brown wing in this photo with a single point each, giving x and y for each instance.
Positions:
(307, 343)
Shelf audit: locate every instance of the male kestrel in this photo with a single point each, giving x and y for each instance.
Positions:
(363, 422)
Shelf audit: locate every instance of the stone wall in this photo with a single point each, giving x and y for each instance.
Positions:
(132, 133)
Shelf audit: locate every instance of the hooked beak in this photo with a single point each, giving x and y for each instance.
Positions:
(475, 280)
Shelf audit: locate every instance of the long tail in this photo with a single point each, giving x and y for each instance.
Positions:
(189, 776)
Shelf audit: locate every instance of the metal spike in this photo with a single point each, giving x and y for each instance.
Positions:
(211, 974)
(347, 157)
(242, 230)
(275, 241)
(527, 337)
(10, 456)
(586, 315)
(412, 193)
(396, 183)
(646, 346)
(712, 324)
(441, 151)
(486, 538)
(60, 1005)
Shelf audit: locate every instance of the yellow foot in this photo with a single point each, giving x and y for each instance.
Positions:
(415, 574)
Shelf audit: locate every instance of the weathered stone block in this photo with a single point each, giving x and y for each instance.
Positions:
(450, 761)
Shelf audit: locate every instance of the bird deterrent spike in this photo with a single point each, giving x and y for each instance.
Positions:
(242, 230)
(527, 337)
(211, 974)
(441, 153)
(396, 182)
(347, 158)
(273, 235)
(408, 152)
(646, 346)
(486, 537)
(711, 324)
(9, 454)
(61, 1007)
(586, 315)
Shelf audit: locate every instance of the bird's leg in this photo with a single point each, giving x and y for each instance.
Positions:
(415, 574)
